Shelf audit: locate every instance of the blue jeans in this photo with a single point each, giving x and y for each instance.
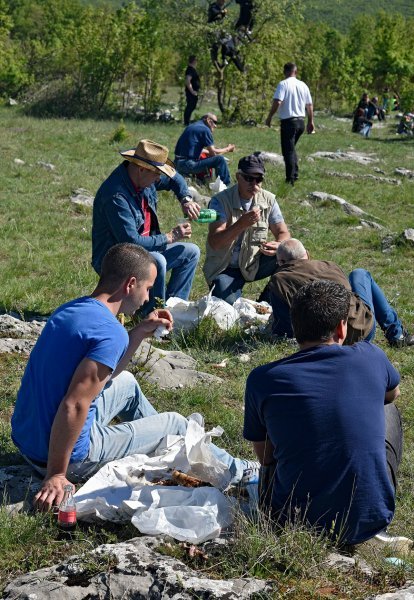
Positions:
(187, 166)
(363, 284)
(229, 284)
(181, 259)
(140, 432)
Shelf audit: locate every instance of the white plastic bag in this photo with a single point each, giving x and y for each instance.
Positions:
(188, 514)
(217, 186)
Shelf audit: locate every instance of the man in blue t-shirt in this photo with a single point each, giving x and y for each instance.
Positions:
(74, 384)
(194, 139)
(318, 416)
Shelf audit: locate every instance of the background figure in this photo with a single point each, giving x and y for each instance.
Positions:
(216, 11)
(360, 123)
(375, 110)
(292, 100)
(192, 87)
(245, 20)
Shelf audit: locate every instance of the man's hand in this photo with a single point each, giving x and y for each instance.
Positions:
(158, 317)
(310, 127)
(191, 209)
(250, 217)
(231, 148)
(268, 121)
(183, 230)
(51, 493)
(269, 248)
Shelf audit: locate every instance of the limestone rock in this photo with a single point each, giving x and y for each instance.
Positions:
(272, 158)
(350, 209)
(358, 157)
(404, 594)
(82, 197)
(198, 197)
(408, 236)
(13, 102)
(404, 172)
(18, 161)
(46, 165)
(371, 225)
(18, 484)
(170, 369)
(389, 180)
(140, 572)
(9, 345)
(15, 328)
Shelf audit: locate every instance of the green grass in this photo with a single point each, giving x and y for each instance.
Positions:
(45, 255)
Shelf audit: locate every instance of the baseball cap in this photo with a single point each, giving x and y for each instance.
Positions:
(252, 165)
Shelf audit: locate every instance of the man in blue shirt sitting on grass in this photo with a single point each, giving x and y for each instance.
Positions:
(324, 418)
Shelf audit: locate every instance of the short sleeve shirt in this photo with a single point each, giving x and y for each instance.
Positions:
(294, 96)
(323, 410)
(195, 79)
(194, 138)
(82, 328)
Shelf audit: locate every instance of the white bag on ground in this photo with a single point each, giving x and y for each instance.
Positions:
(217, 186)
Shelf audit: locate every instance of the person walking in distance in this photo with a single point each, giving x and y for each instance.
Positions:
(292, 101)
(192, 87)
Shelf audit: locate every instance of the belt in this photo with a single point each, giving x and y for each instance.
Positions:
(293, 119)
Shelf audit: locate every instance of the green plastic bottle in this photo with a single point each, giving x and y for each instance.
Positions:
(207, 215)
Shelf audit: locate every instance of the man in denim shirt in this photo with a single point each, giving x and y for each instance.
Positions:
(125, 210)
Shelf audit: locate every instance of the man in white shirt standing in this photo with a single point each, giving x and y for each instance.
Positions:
(292, 101)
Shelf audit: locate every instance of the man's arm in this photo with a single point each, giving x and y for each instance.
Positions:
(87, 382)
(189, 86)
(264, 452)
(392, 395)
(213, 151)
(220, 235)
(310, 127)
(273, 109)
(178, 186)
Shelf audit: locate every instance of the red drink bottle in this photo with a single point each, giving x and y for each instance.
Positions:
(67, 510)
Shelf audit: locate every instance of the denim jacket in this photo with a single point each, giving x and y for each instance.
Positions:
(118, 215)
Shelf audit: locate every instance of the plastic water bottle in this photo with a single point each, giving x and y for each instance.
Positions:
(207, 215)
(67, 511)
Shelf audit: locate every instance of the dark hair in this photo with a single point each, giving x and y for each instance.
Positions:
(317, 309)
(123, 261)
(289, 68)
(192, 58)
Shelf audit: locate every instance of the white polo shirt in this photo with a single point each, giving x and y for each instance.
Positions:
(294, 95)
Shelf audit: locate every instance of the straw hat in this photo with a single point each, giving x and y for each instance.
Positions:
(152, 156)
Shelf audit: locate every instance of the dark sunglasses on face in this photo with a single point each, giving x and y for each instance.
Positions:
(252, 178)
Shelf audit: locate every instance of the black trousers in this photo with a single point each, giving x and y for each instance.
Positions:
(393, 450)
(190, 106)
(290, 132)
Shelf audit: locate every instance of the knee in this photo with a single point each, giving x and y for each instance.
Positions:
(128, 381)
(193, 252)
(178, 423)
(161, 263)
(358, 274)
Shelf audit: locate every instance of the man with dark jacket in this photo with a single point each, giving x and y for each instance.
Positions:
(368, 303)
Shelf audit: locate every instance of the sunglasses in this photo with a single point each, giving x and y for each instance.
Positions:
(252, 178)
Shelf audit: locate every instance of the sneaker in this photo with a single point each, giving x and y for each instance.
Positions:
(405, 339)
(397, 543)
(250, 473)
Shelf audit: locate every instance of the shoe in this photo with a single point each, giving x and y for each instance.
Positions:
(405, 339)
(250, 473)
(398, 543)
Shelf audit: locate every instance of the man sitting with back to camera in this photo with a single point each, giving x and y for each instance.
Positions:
(368, 302)
(317, 420)
(75, 384)
(237, 249)
(195, 138)
(125, 210)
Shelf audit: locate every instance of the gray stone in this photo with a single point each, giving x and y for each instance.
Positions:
(9, 345)
(198, 197)
(18, 484)
(140, 573)
(404, 172)
(363, 159)
(350, 209)
(82, 197)
(403, 594)
(340, 562)
(365, 176)
(408, 236)
(13, 102)
(16, 328)
(46, 165)
(170, 369)
(272, 158)
(18, 161)
(371, 225)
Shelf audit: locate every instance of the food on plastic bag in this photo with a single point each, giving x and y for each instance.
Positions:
(186, 480)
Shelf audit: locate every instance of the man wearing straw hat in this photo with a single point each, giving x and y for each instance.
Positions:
(125, 210)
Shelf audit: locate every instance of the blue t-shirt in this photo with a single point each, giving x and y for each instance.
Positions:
(194, 138)
(82, 328)
(323, 411)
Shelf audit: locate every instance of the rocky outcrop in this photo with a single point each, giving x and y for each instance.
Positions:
(138, 572)
(358, 157)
